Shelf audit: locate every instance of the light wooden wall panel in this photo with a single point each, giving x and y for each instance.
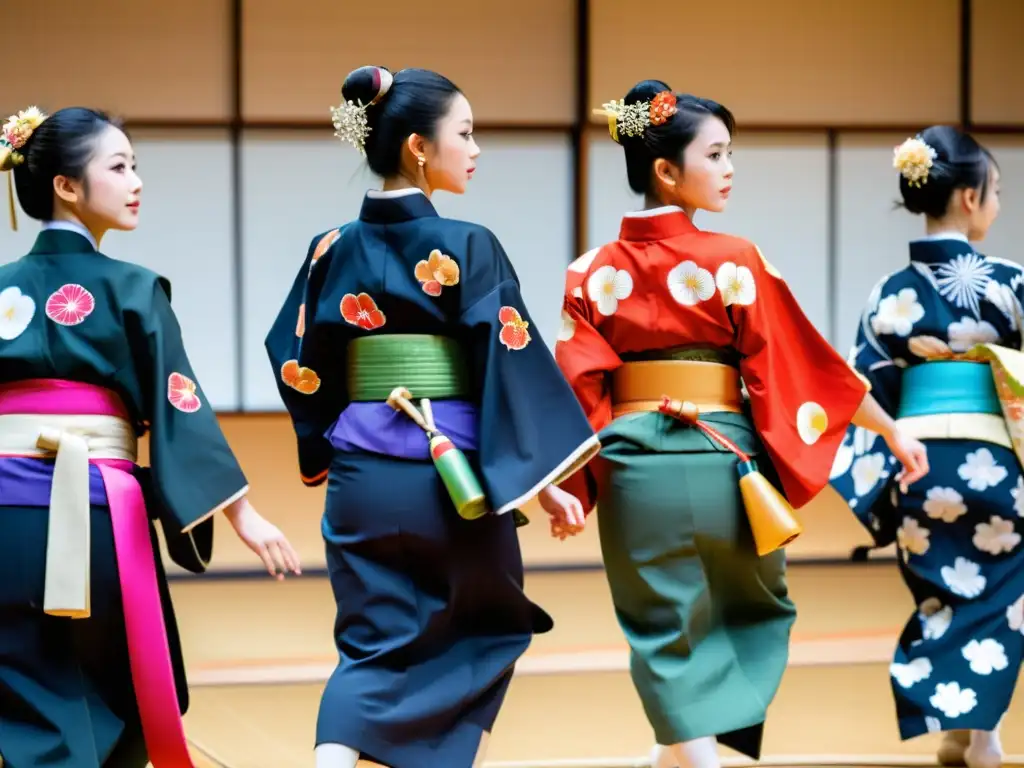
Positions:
(141, 60)
(997, 62)
(515, 63)
(788, 61)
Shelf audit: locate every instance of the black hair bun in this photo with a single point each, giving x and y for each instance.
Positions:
(367, 85)
(645, 90)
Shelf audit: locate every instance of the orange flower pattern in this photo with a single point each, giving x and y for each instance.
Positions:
(663, 106)
(321, 248)
(362, 311)
(300, 325)
(181, 392)
(514, 334)
(301, 379)
(437, 271)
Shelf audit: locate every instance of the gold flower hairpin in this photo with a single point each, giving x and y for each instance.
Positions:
(914, 159)
(633, 119)
(15, 132)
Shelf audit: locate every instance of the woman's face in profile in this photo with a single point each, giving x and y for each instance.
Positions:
(451, 156)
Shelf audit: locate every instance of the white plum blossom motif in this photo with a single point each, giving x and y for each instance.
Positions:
(1018, 497)
(986, 657)
(964, 280)
(568, 328)
(1015, 615)
(689, 284)
(968, 332)
(981, 471)
(16, 311)
(867, 471)
(912, 537)
(944, 504)
(996, 536)
(582, 264)
(1002, 296)
(964, 578)
(857, 443)
(607, 286)
(908, 675)
(897, 313)
(952, 700)
(736, 284)
(811, 422)
(935, 619)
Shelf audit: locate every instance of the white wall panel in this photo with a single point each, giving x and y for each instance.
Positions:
(779, 201)
(297, 185)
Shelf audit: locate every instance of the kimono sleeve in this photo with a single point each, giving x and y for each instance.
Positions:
(532, 430)
(586, 360)
(309, 373)
(863, 470)
(803, 395)
(193, 471)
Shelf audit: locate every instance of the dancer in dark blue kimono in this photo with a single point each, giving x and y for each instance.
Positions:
(940, 343)
(431, 611)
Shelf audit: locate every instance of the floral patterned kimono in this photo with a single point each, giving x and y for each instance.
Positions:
(925, 342)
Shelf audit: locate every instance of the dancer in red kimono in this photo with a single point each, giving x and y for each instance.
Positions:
(669, 310)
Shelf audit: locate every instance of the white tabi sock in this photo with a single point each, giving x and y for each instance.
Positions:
(985, 750)
(662, 757)
(336, 756)
(699, 753)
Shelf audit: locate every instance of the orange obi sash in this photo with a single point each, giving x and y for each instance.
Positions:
(642, 386)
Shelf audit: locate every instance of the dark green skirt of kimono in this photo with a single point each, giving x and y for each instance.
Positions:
(707, 620)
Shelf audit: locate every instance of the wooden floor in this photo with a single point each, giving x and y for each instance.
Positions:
(254, 701)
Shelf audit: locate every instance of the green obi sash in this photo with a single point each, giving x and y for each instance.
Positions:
(950, 386)
(433, 367)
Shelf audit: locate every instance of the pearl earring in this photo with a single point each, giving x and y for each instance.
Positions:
(422, 161)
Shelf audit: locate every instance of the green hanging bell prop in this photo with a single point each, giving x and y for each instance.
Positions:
(452, 465)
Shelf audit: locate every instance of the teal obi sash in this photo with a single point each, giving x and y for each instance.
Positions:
(948, 386)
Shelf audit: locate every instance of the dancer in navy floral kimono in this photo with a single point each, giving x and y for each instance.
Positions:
(940, 343)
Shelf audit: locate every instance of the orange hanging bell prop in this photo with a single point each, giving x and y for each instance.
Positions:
(772, 520)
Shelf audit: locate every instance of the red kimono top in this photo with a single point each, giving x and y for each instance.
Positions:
(664, 283)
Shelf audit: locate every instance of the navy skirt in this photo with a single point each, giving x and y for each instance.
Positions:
(431, 615)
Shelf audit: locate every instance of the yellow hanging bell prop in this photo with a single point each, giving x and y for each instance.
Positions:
(772, 521)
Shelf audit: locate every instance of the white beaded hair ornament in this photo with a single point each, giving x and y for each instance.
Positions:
(15, 133)
(350, 123)
(914, 159)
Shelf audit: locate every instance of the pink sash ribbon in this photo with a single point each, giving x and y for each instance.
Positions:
(148, 650)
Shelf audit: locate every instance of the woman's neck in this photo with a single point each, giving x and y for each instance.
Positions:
(944, 225)
(395, 183)
(651, 202)
(62, 214)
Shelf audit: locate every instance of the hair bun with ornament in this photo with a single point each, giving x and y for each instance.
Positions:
(935, 163)
(363, 88)
(15, 133)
